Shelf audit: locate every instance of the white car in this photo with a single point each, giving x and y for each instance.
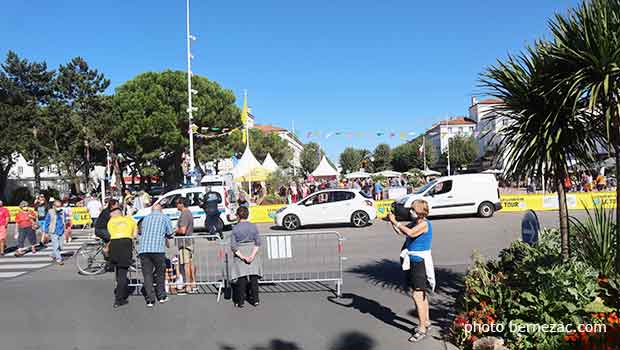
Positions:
(455, 195)
(337, 206)
(195, 196)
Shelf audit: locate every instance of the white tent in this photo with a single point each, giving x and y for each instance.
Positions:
(269, 163)
(246, 164)
(358, 175)
(388, 173)
(324, 169)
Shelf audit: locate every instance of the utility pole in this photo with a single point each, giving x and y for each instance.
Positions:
(190, 91)
(424, 150)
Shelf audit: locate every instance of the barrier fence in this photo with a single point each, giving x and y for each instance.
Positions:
(303, 257)
(206, 256)
(287, 258)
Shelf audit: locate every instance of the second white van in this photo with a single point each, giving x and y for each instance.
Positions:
(455, 195)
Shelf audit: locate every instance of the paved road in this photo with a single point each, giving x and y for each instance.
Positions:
(54, 308)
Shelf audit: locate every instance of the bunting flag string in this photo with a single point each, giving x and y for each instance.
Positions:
(403, 135)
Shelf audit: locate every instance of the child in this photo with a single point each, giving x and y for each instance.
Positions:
(171, 276)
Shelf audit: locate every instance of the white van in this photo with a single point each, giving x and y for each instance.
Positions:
(455, 195)
(195, 196)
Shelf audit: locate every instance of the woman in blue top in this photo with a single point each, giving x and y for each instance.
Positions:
(419, 235)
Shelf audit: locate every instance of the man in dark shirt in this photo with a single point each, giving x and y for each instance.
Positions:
(101, 225)
(211, 207)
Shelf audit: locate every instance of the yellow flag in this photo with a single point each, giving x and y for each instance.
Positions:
(244, 117)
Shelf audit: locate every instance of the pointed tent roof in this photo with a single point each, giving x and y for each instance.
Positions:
(269, 163)
(324, 169)
(246, 164)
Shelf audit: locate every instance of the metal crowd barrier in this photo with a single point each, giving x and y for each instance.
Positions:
(302, 257)
(208, 259)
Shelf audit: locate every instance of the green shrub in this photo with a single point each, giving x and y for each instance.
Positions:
(595, 240)
(526, 285)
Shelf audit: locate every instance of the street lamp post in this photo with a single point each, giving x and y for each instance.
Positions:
(190, 91)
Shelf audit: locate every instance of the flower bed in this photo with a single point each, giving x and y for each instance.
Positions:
(532, 300)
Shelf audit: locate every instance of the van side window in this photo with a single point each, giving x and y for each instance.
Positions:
(442, 187)
(195, 198)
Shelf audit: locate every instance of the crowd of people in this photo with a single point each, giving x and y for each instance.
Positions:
(297, 190)
(45, 221)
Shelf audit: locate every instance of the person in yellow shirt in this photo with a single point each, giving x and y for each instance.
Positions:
(122, 229)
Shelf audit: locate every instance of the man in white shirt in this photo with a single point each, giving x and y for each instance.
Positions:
(94, 208)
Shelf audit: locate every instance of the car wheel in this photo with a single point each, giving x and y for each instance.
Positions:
(360, 219)
(291, 222)
(486, 209)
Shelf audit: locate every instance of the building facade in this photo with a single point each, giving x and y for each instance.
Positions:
(489, 123)
(441, 133)
(291, 139)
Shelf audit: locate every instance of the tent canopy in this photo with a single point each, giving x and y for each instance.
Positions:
(388, 173)
(358, 175)
(269, 163)
(324, 169)
(249, 166)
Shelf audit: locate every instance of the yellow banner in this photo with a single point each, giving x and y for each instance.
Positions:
(383, 207)
(264, 213)
(579, 200)
(80, 215)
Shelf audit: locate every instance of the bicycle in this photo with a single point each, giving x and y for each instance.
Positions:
(89, 258)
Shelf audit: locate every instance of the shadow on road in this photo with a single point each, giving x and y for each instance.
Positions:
(388, 274)
(376, 310)
(346, 341)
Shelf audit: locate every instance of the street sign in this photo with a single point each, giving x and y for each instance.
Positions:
(530, 227)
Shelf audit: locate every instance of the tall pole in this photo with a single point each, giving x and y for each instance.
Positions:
(247, 145)
(424, 149)
(448, 150)
(190, 108)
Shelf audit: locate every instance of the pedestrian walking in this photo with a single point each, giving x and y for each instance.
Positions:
(155, 228)
(4, 226)
(26, 221)
(185, 228)
(41, 207)
(247, 267)
(54, 227)
(68, 221)
(417, 262)
(211, 204)
(122, 230)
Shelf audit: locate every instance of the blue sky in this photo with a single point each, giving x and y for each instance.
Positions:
(349, 66)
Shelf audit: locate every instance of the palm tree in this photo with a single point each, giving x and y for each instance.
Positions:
(588, 43)
(541, 132)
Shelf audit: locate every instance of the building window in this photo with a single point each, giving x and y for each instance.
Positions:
(20, 170)
(450, 130)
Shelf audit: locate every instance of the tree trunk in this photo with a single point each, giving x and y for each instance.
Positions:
(4, 177)
(617, 151)
(37, 174)
(564, 234)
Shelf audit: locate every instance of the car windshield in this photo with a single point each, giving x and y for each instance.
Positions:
(426, 187)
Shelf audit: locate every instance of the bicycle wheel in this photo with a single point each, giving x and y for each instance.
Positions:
(89, 259)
